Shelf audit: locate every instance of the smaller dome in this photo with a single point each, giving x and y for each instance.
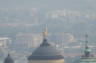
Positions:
(8, 59)
(87, 57)
(87, 50)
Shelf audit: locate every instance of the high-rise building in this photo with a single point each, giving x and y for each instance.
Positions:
(46, 53)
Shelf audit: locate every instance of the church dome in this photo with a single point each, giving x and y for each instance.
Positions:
(46, 52)
(8, 59)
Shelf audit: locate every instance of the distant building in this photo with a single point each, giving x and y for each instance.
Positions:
(46, 53)
(28, 40)
(5, 42)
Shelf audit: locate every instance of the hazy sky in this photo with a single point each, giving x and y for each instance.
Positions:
(47, 3)
(71, 5)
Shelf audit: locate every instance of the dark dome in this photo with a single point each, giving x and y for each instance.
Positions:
(8, 59)
(46, 51)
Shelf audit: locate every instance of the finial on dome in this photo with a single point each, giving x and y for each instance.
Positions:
(86, 40)
(8, 54)
(45, 32)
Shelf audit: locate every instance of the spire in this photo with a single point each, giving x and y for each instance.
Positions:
(45, 32)
(86, 41)
(87, 50)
